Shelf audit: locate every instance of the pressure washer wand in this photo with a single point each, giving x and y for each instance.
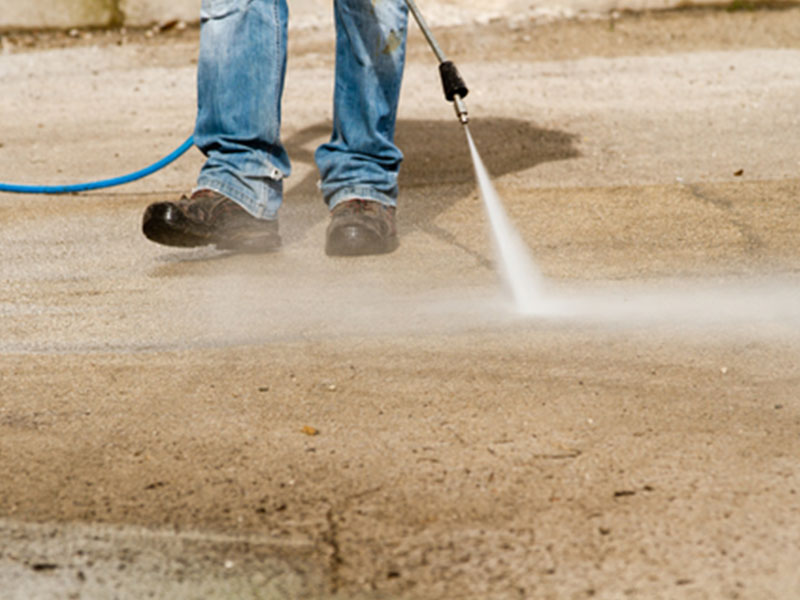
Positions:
(455, 90)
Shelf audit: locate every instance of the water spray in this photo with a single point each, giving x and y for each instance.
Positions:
(517, 268)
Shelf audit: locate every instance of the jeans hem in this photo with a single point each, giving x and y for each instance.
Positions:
(264, 208)
(360, 193)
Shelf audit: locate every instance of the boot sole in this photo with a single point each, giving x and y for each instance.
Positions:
(354, 240)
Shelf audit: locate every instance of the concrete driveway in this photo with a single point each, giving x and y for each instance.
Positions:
(194, 424)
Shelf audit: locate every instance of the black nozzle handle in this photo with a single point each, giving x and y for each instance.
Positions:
(451, 81)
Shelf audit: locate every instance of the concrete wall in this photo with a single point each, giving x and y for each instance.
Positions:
(83, 13)
(54, 13)
(146, 12)
(32, 14)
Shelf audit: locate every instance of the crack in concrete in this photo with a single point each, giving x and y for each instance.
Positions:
(753, 242)
(447, 237)
(117, 18)
(331, 537)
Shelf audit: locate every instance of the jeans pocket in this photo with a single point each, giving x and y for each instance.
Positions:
(217, 9)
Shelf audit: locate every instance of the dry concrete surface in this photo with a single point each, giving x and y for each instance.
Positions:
(196, 424)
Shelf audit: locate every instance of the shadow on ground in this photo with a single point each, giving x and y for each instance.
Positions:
(437, 171)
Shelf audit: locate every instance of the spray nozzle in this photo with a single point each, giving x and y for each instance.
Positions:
(461, 109)
(455, 90)
(452, 82)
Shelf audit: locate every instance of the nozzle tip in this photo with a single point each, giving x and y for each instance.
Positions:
(461, 110)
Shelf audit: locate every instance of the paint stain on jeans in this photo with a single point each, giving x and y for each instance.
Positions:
(392, 42)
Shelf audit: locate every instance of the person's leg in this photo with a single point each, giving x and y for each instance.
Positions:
(240, 75)
(361, 160)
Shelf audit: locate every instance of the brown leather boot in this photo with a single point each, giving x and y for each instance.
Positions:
(361, 227)
(209, 218)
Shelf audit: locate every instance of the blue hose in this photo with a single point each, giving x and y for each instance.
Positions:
(96, 185)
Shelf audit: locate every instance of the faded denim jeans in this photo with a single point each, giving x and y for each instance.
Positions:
(240, 77)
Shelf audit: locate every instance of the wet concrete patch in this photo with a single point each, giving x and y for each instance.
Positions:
(96, 561)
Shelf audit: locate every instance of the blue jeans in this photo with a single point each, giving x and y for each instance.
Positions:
(240, 76)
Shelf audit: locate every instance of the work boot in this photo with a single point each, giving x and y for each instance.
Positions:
(206, 218)
(361, 227)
